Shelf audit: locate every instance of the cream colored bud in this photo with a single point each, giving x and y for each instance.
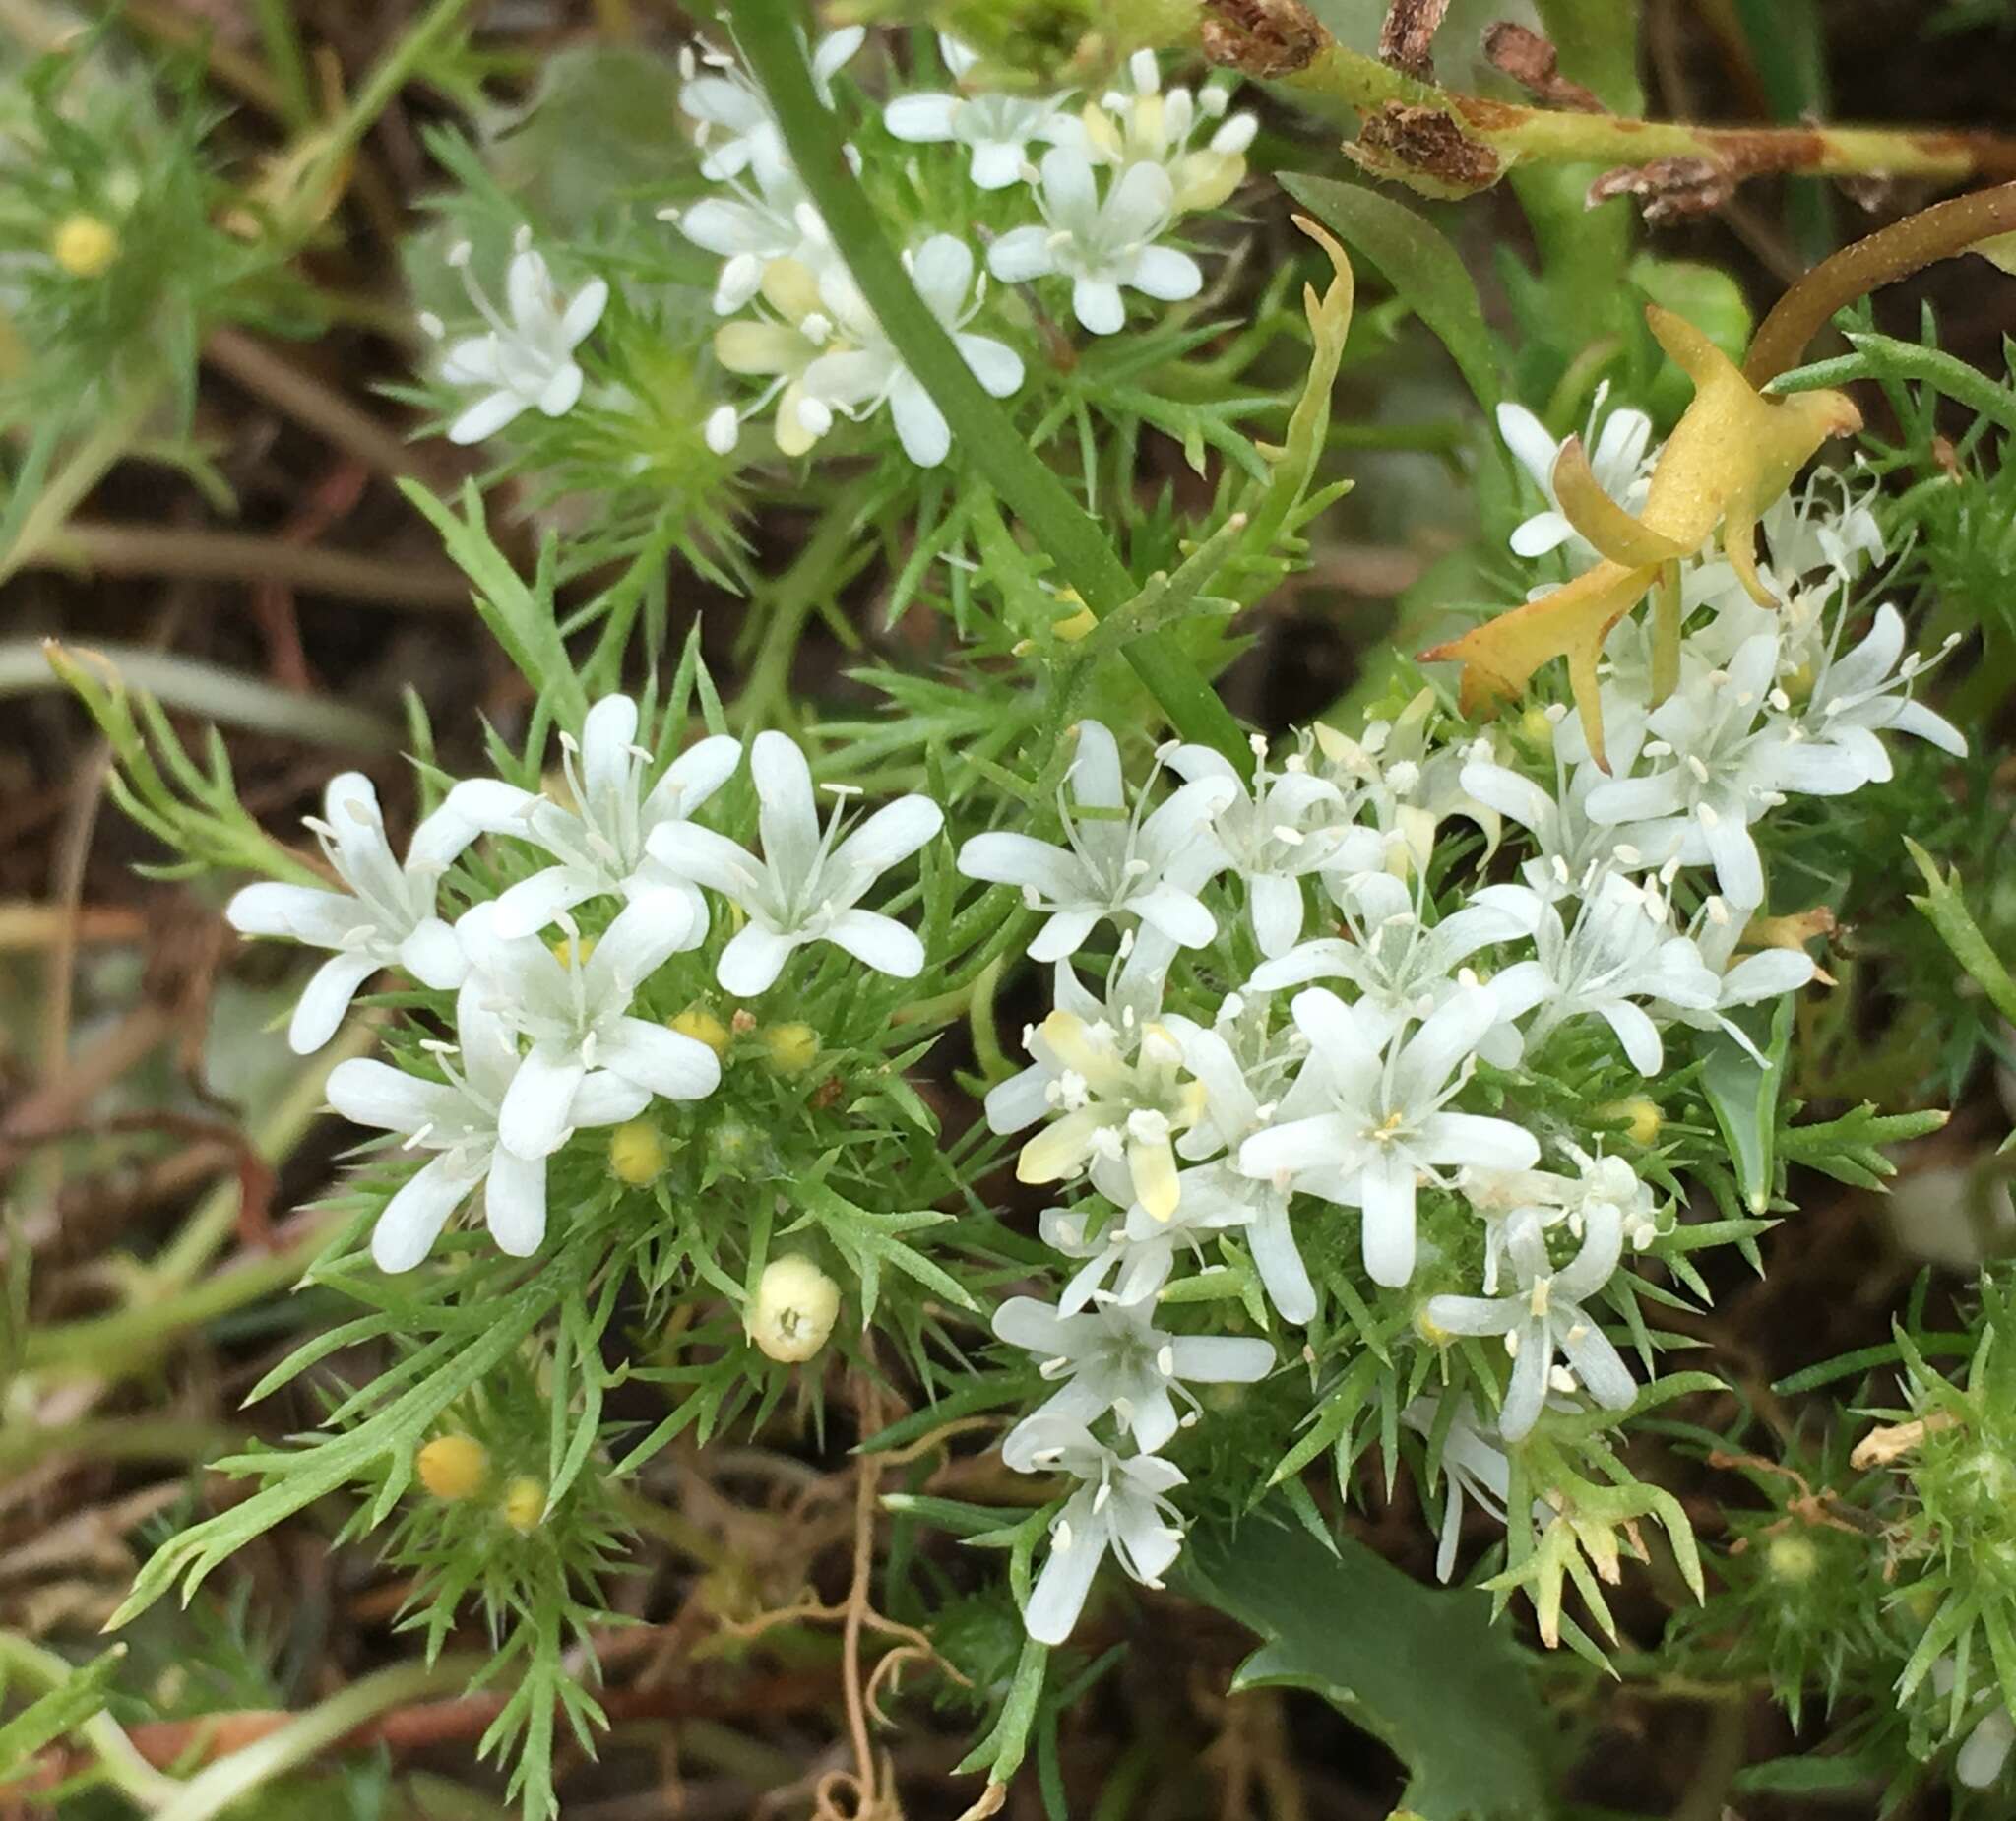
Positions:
(637, 1152)
(703, 1026)
(795, 1306)
(524, 1503)
(791, 1049)
(83, 246)
(1639, 1117)
(453, 1467)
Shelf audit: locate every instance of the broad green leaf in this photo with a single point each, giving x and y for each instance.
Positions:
(1744, 1096)
(1420, 266)
(1420, 1667)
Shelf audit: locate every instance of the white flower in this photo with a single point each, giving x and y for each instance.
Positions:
(1720, 770)
(600, 843)
(1473, 1466)
(735, 128)
(1620, 949)
(1855, 695)
(575, 1007)
(1546, 1316)
(1408, 777)
(1100, 244)
(1113, 1357)
(458, 1120)
(1110, 1078)
(1122, 1506)
(1499, 1197)
(860, 380)
(781, 349)
(1114, 865)
(807, 885)
(1288, 825)
(754, 231)
(1216, 1196)
(1402, 966)
(1362, 1127)
(1567, 843)
(997, 129)
(1617, 456)
(385, 920)
(528, 360)
(1151, 125)
(1770, 973)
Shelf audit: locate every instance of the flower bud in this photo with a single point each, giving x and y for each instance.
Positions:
(1639, 1117)
(703, 1026)
(572, 951)
(83, 246)
(1536, 728)
(1791, 1559)
(791, 1049)
(524, 1503)
(637, 1153)
(453, 1467)
(794, 1309)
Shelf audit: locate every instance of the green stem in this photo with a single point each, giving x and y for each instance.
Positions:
(771, 37)
(125, 1769)
(230, 1779)
(1520, 134)
(1881, 358)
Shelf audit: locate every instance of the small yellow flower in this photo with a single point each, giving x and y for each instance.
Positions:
(791, 1049)
(703, 1026)
(83, 246)
(453, 1467)
(637, 1152)
(524, 1503)
(794, 1309)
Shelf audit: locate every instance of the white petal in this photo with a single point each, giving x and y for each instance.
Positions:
(665, 1062)
(325, 999)
(302, 911)
(1164, 273)
(881, 942)
(752, 961)
(998, 367)
(485, 418)
(1022, 254)
(1220, 1359)
(526, 908)
(921, 119)
(515, 1202)
(434, 956)
(1387, 1196)
(533, 1120)
(1058, 1596)
(414, 1218)
(1097, 305)
(366, 1092)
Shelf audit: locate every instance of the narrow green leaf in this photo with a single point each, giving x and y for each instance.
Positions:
(1948, 913)
(1744, 1099)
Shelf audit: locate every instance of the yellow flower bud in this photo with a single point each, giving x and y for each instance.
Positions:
(795, 1306)
(1077, 626)
(524, 1503)
(1792, 1558)
(1430, 1332)
(703, 1026)
(791, 1049)
(83, 246)
(1639, 1117)
(1538, 728)
(637, 1153)
(453, 1467)
(572, 951)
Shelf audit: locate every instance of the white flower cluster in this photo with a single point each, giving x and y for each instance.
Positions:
(1117, 177)
(1339, 1070)
(545, 1041)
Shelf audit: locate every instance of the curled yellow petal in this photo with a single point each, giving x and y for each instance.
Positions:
(1602, 524)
